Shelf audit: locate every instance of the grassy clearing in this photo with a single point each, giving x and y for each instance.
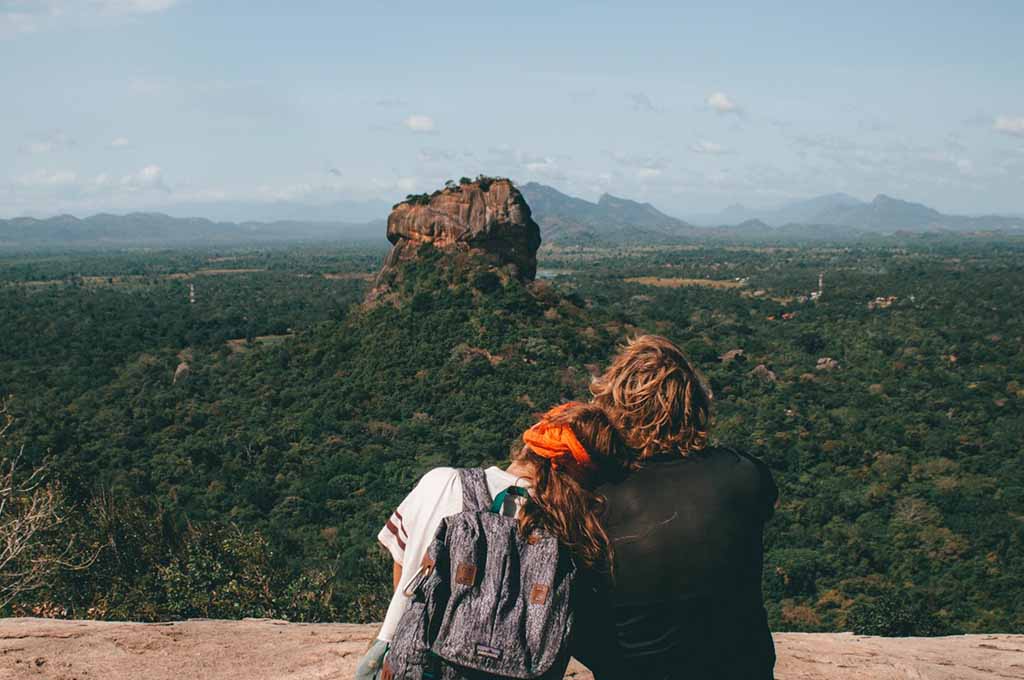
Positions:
(661, 282)
(349, 276)
(240, 344)
(221, 272)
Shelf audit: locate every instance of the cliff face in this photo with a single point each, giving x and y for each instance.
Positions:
(488, 218)
(275, 650)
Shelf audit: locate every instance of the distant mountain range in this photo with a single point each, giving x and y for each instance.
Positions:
(563, 219)
(884, 214)
(157, 229)
(283, 211)
(566, 218)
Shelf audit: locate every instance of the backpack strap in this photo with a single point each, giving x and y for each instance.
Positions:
(476, 497)
(498, 505)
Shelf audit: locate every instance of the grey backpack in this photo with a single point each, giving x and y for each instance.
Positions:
(487, 602)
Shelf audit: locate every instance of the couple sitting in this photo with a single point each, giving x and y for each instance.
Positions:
(663, 534)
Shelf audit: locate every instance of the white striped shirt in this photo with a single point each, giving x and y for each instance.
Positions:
(413, 525)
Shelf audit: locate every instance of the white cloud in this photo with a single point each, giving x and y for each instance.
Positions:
(39, 146)
(419, 123)
(1010, 125)
(150, 173)
(639, 160)
(430, 155)
(54, 141)
(134, 6)
(641, 102)
(119, 143)
(17, 23)
(407, 184)
(67, 183)
(149, 177)
(20, 17)
(720, 102)
(708, 148)
(541, 166)
(46, 178)
(965, 166)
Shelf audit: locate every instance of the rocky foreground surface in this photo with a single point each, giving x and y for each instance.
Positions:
(264, 650)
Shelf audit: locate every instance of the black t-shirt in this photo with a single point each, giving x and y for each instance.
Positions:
(686, 601)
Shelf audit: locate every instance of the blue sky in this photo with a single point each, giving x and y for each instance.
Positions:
(118, 105)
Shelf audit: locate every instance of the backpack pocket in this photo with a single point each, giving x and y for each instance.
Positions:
(508, 613)
(409, 654)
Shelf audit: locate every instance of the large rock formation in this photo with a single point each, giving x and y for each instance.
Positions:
(487, 218)
(275, 650)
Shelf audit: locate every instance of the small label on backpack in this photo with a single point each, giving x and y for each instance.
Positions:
(465, 574)
(488, 652)
(539, 594)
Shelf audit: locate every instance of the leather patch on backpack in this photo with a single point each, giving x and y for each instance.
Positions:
(539, 594)
(465, 574)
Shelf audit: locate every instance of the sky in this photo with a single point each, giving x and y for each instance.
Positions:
(193, 105)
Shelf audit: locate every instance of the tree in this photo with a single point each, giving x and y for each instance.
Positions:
(32, 508)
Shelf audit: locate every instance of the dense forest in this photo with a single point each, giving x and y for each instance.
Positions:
(224, 432)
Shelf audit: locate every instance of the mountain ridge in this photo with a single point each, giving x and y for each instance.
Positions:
(155, 228)
(612, 218)
(563, 219)
(883, 214)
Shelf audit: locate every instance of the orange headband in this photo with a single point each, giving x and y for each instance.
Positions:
(552, 441)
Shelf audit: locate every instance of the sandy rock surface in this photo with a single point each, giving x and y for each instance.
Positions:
(265, 650)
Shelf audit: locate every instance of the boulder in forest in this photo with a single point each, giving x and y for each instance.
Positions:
(730, 356)
(764, 373)
(182, 372)
(826, 364)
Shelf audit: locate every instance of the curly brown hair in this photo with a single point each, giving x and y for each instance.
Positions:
(562, 501)
(661, 401)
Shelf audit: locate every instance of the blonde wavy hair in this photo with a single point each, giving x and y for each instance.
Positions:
(662, 402)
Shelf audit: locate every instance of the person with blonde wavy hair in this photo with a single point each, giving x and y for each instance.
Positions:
(686, 531)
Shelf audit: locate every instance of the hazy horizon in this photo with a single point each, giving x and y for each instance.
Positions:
(165, 105)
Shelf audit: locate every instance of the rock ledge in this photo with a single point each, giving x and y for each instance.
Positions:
(259, 649)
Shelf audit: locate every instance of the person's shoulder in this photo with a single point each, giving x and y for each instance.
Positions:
(740, 461)
(439, 477)
(439, 488)
(740, 457)
(705, 460)
(495, 475)
(759, 475)
(731, 468)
